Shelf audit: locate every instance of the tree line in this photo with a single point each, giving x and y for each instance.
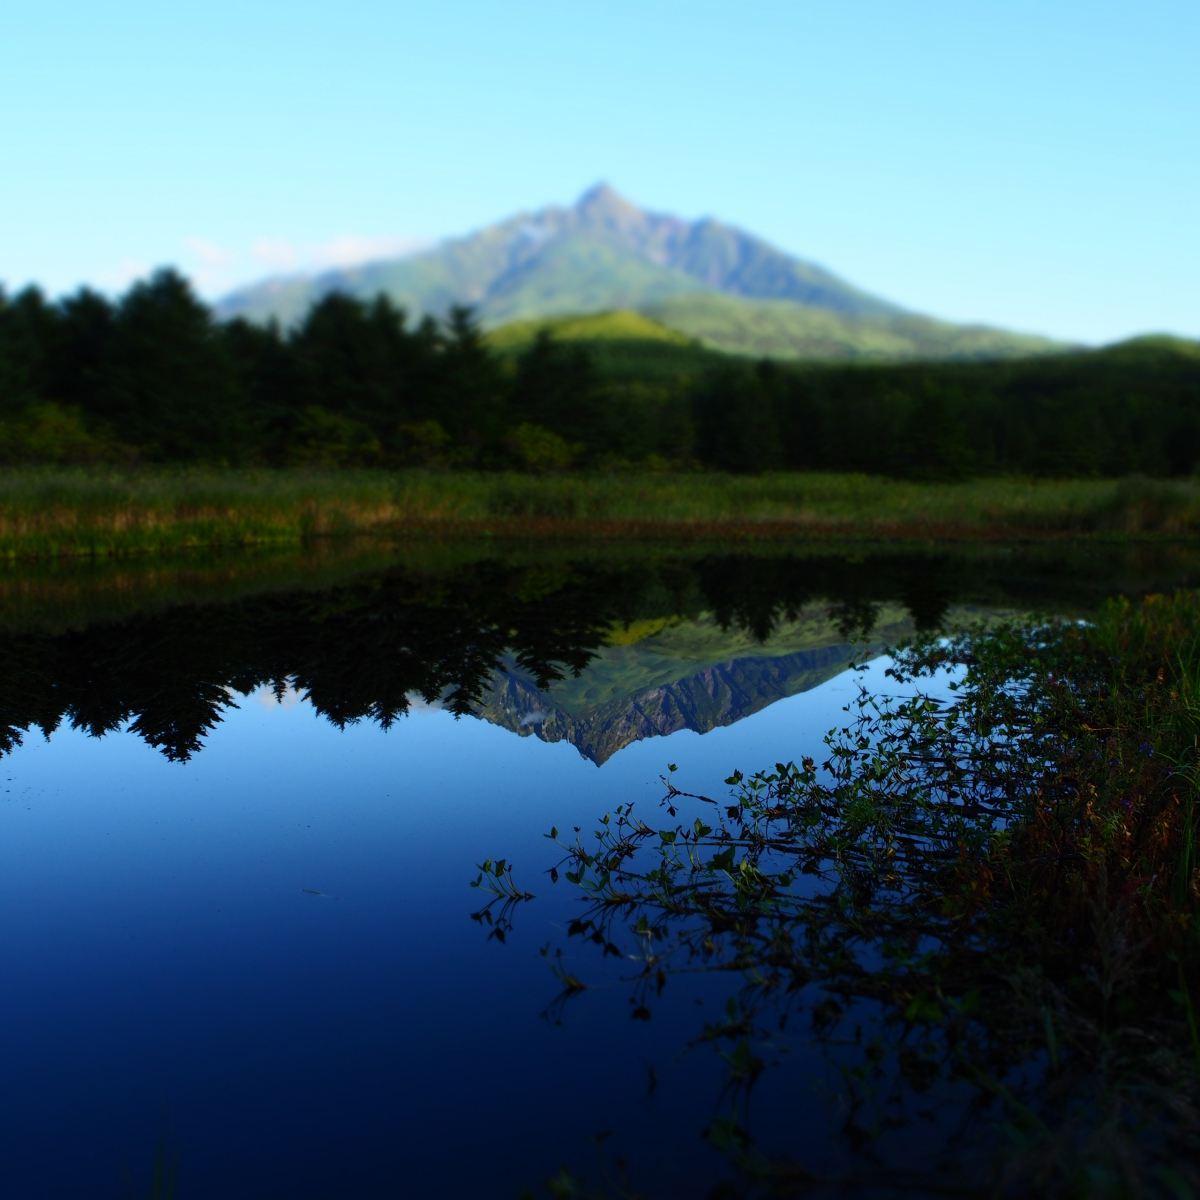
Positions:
(1131, 408)
(154, 377)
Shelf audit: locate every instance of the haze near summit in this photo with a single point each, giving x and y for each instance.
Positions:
(1022, 166)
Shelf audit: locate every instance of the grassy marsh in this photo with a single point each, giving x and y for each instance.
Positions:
(52, 512)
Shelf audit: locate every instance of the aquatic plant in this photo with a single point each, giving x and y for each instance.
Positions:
(985, 897)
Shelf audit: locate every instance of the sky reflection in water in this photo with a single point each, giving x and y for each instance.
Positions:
(270, 942)
(161, 948)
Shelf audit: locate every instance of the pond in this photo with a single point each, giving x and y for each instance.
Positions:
(245, 799)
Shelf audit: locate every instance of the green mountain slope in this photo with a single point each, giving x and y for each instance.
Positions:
(623, 325)
(581, 274)
(779, 329)
(625, 346)
(688, 330)
(710, 281)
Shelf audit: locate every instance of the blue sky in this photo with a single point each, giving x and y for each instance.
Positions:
(1033, 165)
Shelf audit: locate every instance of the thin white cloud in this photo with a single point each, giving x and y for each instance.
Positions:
(290, 698)
(210, 253)
(345, 250)
(216, 269)
(275, 254)
(213, 266)
(349, 249)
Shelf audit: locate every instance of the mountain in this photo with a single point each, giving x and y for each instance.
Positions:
(705, 279)
(718, 695)
(779, 329)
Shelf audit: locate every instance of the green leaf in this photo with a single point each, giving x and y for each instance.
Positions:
(923, 1008)
(724, 860)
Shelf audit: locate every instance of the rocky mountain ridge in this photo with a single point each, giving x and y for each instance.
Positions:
(705, 279)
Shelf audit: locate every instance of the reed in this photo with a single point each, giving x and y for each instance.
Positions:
(56, 512)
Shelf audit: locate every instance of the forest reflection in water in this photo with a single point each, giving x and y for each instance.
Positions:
(172, 935)
(598, 650)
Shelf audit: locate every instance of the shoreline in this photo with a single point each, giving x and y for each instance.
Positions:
(55, 513)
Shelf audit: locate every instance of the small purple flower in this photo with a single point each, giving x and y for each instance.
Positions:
(1147, 749)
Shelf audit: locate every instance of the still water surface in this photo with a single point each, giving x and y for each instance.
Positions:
(234, 875)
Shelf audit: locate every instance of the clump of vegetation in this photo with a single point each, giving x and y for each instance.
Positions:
(992, 883)
(48, 433)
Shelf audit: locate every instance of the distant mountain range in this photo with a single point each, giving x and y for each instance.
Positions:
(704, 279)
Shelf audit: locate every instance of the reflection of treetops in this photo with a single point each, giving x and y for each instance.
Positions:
(363, 648)
(360, 646)
(997, 891)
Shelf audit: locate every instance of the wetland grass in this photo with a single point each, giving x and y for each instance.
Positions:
(54, 512)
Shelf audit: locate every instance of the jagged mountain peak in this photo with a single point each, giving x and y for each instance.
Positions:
(603, 198)
(603, 208)
(604, 252)
(600, 213)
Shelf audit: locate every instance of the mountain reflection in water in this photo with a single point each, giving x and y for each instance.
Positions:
(693, 674)
(597, 652)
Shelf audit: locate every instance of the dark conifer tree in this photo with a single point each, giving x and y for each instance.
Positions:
(267, 375)
(361, 362)
(171, 385)
(27, 324)
(83, 348)
(14, 375)
(556, 387)
(470, 391)
(737, 419)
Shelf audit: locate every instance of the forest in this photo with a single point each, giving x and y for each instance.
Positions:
(153, 377)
